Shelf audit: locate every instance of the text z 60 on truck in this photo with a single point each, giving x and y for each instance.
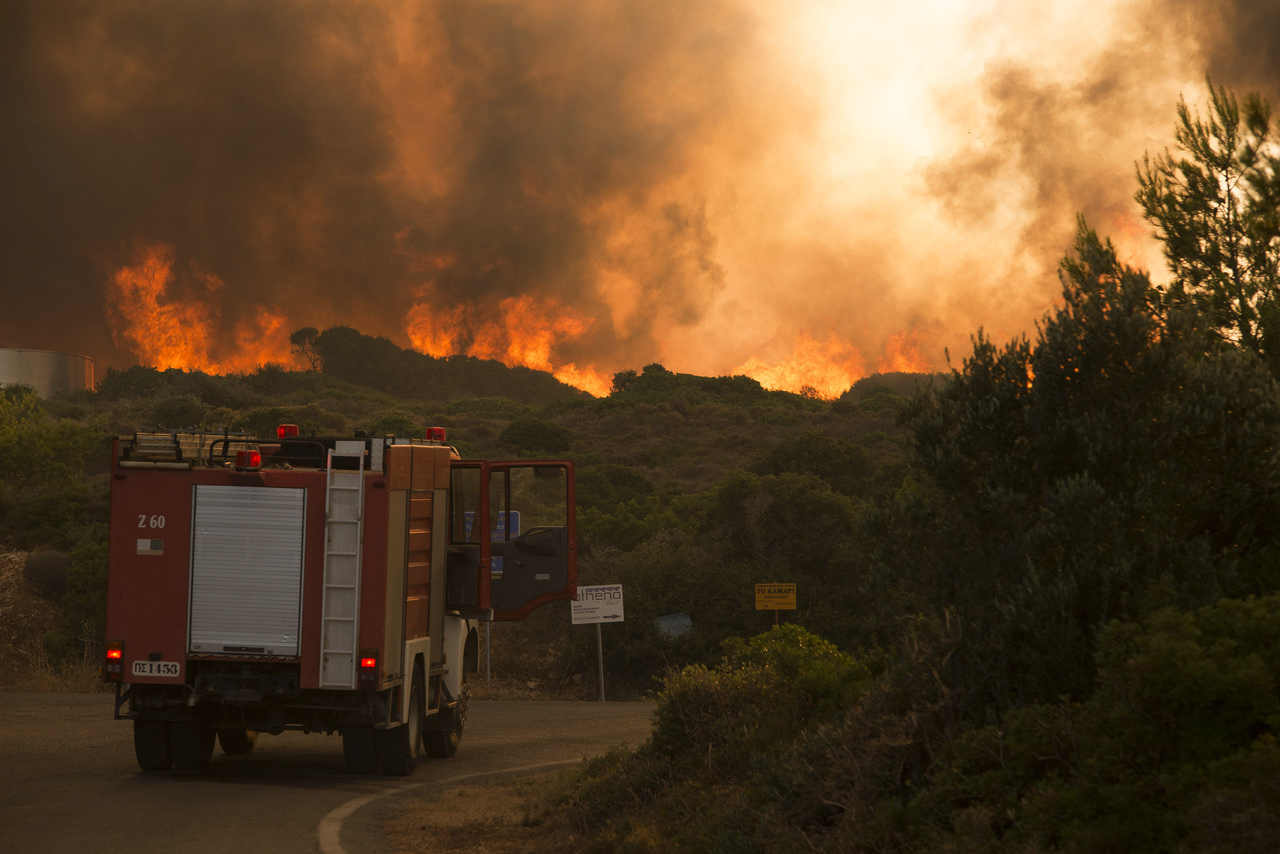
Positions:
(318, 584)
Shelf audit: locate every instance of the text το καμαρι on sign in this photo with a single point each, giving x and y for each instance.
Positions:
(776, 597)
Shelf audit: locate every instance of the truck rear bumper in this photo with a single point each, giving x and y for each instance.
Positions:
(264, 701)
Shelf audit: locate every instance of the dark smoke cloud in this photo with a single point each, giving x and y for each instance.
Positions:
(270, 143)
(1247, 53)
(218, 128)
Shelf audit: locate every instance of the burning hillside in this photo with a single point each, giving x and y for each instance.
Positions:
(802, 192)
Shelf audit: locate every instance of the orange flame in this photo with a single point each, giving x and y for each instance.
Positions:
(165, 331)
(828, 368)
(902, 353)
(519, 332)
(172, 323)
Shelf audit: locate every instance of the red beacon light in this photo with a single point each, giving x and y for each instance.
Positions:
(248, 460)
(435, 434)
(286, 431)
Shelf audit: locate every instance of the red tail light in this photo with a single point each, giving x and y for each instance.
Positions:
(113, 667)
(435, 434)
(368, 669)
(286, 431)
(246, 460)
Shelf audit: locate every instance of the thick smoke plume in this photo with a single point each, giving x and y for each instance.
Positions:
(807, 193)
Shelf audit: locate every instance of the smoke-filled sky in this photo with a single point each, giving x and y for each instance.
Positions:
(805, 192)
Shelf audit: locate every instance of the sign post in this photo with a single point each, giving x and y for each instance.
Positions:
(598, 604)
(776, 597)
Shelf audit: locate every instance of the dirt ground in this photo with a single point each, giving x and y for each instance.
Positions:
(492, 817)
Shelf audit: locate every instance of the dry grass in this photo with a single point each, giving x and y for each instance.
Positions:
(504, 816)
(25, 619)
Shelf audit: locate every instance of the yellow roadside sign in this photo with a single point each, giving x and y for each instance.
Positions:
(776, 597)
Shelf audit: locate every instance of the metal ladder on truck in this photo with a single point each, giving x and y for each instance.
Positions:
(344, 523)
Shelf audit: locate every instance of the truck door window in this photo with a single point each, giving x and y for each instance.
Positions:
(499, 518)
(532, 551)
(540, 494)
(465, 500)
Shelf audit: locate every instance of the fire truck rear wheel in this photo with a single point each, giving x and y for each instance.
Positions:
(151, 744)
(359, 750)
(237, 741)
(191, 743)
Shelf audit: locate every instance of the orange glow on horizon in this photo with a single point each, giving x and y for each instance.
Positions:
(172, 323)
(828, 368)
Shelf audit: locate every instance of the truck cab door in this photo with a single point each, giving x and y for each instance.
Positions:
(529, 556)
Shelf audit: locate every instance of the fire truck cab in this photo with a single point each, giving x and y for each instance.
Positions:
(320, 584)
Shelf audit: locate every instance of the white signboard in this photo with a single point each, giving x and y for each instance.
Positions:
(599, 604)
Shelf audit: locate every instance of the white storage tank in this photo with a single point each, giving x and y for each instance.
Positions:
(48, 372)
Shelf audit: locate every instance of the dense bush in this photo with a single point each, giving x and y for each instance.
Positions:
(624, 525)
(535, 437)
(46, 571)
(1176, 748)
(396, 424)
(1113, 465)
(764, 691)
(312, 420)
(690, 787)
(655, 384)
(50, 491)
(83, 606)
(178, 412)
(843, 465)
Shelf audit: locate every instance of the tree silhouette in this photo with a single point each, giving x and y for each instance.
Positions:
(1216, 207)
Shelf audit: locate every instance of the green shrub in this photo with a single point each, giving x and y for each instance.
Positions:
(626, 525)
(880, 402)
(1177, 744)
(696, 784)
(533, 436)
(84, 606)
(396, 424)
(757, 700)
(311, 419)
(487, 407)
(179, 411)
(606, 486)
(46, 571)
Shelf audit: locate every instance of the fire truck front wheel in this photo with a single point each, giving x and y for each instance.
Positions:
(151, 744)
(400, 746)
(443, 737)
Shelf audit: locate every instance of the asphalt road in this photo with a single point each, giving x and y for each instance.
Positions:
(69, 782)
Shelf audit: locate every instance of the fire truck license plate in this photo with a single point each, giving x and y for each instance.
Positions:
(156, 668)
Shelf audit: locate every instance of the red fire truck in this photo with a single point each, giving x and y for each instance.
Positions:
(319, 584)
